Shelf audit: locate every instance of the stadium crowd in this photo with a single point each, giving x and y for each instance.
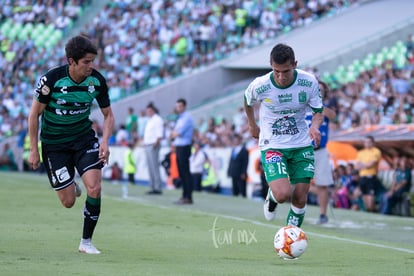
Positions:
(171, 38)
(145, 43)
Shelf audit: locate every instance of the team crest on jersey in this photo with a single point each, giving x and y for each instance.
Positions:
(45, 90)
(310, 168)
(302, 96)
(91, 88)
(273, 157)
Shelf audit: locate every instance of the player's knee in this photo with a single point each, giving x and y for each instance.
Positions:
(281, 196)
(94, 190)
(68, 203)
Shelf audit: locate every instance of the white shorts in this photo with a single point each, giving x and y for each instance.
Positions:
(323, 170)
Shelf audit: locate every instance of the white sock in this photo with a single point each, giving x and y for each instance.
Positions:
(298, 211)
(271, 197)
(85, 241)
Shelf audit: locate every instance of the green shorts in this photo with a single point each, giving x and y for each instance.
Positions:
(297, 164)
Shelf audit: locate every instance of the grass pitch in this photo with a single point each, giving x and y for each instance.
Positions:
(218, 235)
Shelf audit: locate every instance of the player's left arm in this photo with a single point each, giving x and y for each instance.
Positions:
(314, 133)
(108, 125)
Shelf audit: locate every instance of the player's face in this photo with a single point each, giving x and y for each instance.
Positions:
(83, 68)
(283, 73)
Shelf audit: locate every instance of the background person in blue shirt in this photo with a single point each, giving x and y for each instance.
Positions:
(182, 138)
(323, 173)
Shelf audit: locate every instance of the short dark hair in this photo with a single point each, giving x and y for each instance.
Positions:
(182, 101)
(78, 47)
(370, 137)
(325, 88)
(153, 107)
(281, 53)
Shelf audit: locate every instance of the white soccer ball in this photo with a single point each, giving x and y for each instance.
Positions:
(290, 242)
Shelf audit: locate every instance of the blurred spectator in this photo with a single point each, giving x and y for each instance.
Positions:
(116, 172)
(7, 161)
(237, 168)
(153, 135)
(131, 125)
(400, 186)
(130, 167)
(169, 163)
(182, 138)
(122, 136)
(341, 179)
(198, 159)
(367, 162)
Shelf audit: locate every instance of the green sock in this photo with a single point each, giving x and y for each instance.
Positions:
(294, 218)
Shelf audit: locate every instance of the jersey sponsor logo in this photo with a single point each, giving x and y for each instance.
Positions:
(45, 90)
(273, 156)
(61, 111)
(64, 89)
(288, 111)
(76, 112)
(285, 98)
(285, 126)
(61, 102)
(41, 82)
(304, 82)
(92, 150)
(70, 112)
(262, 89)
(62, 174)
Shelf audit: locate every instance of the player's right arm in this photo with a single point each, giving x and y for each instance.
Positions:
(33, 123)
(253, 127)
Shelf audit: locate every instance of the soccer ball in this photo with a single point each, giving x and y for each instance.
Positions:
(290, 242)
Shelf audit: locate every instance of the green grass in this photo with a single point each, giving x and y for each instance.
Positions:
(218, 235)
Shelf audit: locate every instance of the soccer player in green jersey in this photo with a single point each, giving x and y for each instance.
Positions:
(63, 99)
(285, 94)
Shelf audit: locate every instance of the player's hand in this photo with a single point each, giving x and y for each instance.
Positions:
(254, 131)
(104, 153)
(34, 159)
(315, 135)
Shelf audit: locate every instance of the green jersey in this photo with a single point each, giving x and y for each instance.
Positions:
(68, 104)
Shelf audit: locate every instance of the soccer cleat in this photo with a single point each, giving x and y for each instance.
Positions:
(269, 209)
(87, 247)
(78, 190)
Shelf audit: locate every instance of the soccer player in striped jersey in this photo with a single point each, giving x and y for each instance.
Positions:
(63, 100)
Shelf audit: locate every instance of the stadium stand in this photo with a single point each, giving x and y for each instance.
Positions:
(138, 54)
(154, 47)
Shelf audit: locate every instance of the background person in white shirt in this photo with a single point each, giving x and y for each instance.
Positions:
(153, 134)
(197, 160)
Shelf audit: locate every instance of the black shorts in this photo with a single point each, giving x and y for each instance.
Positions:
(60, 160)
(368, 185)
